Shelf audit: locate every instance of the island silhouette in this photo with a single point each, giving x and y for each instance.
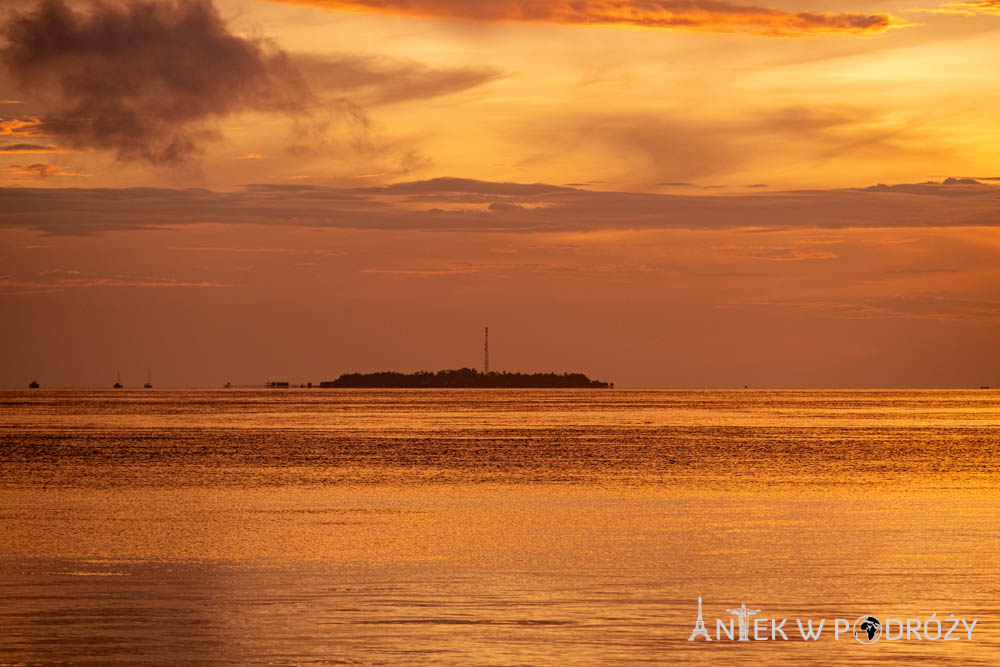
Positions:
(464, 378)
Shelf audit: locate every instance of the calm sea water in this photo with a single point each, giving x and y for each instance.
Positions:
(491, 527)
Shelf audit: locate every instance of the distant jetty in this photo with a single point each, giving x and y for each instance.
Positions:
(464, 378)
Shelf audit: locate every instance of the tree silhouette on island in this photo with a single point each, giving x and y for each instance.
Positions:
(464, 378)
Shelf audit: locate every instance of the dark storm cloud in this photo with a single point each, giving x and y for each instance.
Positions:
(147, 80)
(466, 205)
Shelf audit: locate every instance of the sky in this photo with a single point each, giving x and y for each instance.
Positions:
(658, 193)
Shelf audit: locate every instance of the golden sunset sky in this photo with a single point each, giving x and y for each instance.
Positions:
(656, 193)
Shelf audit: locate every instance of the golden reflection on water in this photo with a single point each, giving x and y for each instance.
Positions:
(534, 527)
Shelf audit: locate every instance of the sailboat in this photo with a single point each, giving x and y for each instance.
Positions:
(118, 382)
(149, 381)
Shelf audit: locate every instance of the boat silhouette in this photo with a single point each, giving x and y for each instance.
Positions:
(33, 385)
(118, 381)
(149, 381)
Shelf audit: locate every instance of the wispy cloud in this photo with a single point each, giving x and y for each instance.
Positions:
(25, 149)
(966, 8)
(939, 307)
(21, 127)
(38, 170)
(671, 148)
(375, 80)
(315, 252)
(693, 15)
(456, 269)
(57, 280)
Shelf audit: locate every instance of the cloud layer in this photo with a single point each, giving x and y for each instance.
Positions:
(147, 80)
(699, 15)
(464, 205)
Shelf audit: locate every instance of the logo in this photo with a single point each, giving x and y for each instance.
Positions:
(867, 630)
(744, 625)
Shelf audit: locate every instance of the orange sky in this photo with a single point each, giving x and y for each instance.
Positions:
(657, 194)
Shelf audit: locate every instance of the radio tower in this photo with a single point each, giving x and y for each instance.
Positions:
(486, 353)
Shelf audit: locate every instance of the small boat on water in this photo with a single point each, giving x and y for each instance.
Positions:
(118, 381)
(149, 381)
(33, 385)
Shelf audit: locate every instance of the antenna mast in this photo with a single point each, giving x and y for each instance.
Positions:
(486, 353)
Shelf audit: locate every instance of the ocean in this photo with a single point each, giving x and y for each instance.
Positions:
(496, 527)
